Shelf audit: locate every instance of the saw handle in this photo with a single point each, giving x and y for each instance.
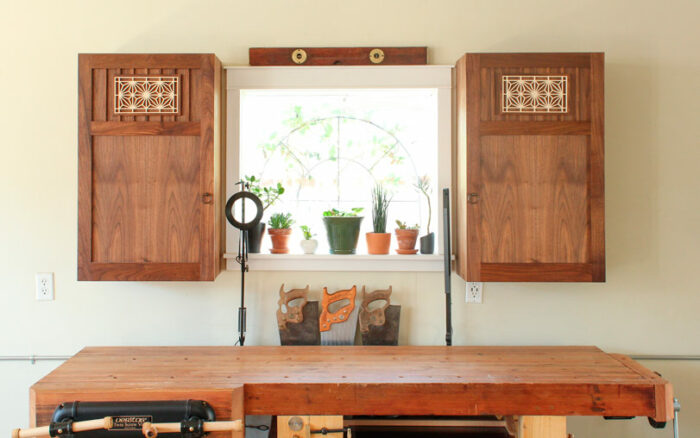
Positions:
(151, 430)
(293, 314)
(327, 319)
(78, 426)
(377, 316)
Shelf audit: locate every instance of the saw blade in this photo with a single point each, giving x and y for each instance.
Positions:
(339, 327)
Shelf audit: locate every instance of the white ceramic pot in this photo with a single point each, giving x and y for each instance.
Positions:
(309, 246)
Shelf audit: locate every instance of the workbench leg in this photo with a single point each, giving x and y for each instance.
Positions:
(541, 427)
(238, 409)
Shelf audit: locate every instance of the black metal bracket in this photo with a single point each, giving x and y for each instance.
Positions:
(192, 428)
(325, 431)
(61, 428)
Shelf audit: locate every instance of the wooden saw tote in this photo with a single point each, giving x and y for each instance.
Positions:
(379, 326)
(298, 324)
(293, 313)
(338, 328)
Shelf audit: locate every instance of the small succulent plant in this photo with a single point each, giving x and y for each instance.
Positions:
(281, 221)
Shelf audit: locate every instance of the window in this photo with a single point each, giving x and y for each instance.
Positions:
(329, 134)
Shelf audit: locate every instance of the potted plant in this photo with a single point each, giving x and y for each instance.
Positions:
(308, 245)
(280, 229)
(406, 236)
(379, 241)
(268, 195)
(427, 242)
(342, 229)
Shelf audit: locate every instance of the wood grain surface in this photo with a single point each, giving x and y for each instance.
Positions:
(149, 185)
(366, 380)
(535, 180)
(261, 56)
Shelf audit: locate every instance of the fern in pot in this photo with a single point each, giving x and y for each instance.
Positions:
(379, 241)
(280, 230)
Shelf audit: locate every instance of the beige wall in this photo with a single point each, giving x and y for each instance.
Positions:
(649, 304)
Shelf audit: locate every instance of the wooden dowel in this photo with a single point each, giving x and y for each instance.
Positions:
(78, 426)
(151, 430)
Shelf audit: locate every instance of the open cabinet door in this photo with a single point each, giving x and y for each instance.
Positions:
(529, 170)
(149, 198)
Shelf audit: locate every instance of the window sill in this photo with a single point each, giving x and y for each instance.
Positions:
(328, 262)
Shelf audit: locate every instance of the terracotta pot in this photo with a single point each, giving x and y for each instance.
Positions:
(280, 238)
(407, 241)
(378, 243)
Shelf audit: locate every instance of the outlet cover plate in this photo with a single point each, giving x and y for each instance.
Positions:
(475, 292)
(44, 286)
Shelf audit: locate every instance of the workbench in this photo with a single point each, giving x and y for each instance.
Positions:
(539, 385)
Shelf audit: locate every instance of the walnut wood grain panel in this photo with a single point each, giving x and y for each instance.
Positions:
(534, 199)
(459, 171)
(260, 56)
(145, 128)
(143, 213)
(534, 128)
(554, 60)
(529, 272)
(536, 181)
(141, 271)
(146, 199)
(367, 380)
(596, 167)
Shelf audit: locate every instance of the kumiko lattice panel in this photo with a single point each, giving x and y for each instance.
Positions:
(146, 95)
(534, 94)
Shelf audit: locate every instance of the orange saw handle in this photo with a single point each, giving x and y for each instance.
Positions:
(327, 319)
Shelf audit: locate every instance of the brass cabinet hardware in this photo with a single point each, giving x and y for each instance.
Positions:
(376, 56)
(473, 198)
(207, 198)
(299, 56)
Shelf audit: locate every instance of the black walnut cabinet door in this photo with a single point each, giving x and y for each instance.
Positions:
(529, 177)
(149, 177)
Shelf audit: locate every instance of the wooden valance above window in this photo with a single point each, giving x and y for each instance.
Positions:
(262, 56)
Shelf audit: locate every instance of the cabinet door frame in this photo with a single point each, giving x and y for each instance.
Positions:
(468, 175)
(207, 128)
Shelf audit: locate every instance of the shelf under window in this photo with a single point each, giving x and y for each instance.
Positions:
(329, 262)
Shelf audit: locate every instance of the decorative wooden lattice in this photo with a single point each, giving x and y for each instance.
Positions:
(146, 95)
(534, 94)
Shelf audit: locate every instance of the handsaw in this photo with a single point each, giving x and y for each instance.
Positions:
(298, 324)
(379, 326)
(338, 328)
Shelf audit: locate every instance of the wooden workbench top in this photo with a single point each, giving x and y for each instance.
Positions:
(367, 380)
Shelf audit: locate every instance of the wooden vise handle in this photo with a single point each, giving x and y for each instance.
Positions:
(78, 426)
(151, 430)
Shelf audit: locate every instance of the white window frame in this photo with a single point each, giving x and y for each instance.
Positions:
(341, 77)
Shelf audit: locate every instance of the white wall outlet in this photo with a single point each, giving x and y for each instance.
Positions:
(44, 286)
(474, 292)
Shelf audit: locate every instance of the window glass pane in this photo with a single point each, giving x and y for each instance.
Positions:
(330, 147)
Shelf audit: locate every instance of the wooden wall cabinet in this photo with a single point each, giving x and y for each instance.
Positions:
(528, 167)
(149, 177)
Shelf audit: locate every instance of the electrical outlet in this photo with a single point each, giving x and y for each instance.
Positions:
(474, 292)
(44, 286)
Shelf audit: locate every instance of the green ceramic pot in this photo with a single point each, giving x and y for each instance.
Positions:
(343, 233)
